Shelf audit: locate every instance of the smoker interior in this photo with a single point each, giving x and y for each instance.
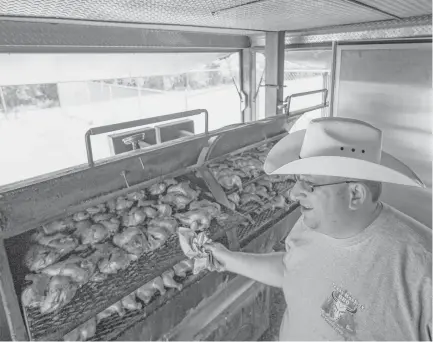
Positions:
(247, 223)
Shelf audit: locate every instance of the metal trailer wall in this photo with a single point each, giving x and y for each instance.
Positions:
(389, 86)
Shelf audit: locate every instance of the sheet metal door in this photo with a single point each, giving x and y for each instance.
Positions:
(390, 86)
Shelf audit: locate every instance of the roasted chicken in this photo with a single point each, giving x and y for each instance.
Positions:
(146, 292)
(157, 236)
(123, 204)
(157, 189)
(115, 308)
(178, 200)
(184, 189)
(112, 225)
(146, 203)
(71, 268)
(168, 281)
(164, 210)
(170, 181)
(196, 219)
(116, 260)
(278, 202)
(136, 196)
(229, 181)
(93, 235)
(151, 212)
(34, 294)
(60, 292)
(101, 217)
(212, 208)
(263, 192)
(132, 240)
(246, 198)
(57, 226)
(81, 216)
(39, 257)
(183, 267)
(130, 302)
(63, 243)
(234, 197)
(266, 183)
(166, 223)
(134, 217)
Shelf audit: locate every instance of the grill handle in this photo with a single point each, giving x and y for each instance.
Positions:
(286, 103)
(141, 122)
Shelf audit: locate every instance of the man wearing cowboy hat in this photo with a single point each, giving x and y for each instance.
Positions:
(354, 268)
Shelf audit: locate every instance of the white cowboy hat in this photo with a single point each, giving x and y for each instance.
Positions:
(339, 147)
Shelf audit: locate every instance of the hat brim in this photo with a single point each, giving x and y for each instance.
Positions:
(284, 159)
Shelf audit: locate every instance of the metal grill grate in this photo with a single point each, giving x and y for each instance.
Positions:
(92, 297)
(266, 15)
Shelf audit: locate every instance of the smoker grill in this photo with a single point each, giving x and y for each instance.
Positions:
(27, 207)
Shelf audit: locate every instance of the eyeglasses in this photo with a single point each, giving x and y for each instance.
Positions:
(310, 186)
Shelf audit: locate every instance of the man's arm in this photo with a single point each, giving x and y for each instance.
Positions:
(265, 268)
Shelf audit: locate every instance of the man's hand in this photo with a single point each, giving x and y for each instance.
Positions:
(219, 252)
(265, 268)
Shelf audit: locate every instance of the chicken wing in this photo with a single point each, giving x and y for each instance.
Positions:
(58, 226)
(168, 281)
(266, 183)
(157, 236)
(146, 292)
(197, 219)
(39, 257)
(130, 302)
(60, 292)
(146, 203)
(101, 217)
(263, 192)
(123, 204)
(132, 240)
(170, 181)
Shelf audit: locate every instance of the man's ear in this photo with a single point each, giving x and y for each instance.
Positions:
(358, 194)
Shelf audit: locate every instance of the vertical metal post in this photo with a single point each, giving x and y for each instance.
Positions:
(274, 52)
(333, 73)
(252, 94)
(3, 100)
(246, 85)
(325, 85)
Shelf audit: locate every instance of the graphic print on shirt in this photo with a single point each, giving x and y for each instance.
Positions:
(339, 311)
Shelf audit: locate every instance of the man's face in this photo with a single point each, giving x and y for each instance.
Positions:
(324, 207)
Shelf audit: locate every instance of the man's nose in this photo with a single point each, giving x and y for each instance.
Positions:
(297, 192)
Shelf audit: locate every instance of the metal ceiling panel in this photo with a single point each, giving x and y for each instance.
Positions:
(414, 27)
(269, 15)
(402, 8)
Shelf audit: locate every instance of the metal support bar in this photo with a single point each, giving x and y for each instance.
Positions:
(375, 9)
(246, 84)
(135, 123)
(274, 52)
(287, 102)
(333, 74)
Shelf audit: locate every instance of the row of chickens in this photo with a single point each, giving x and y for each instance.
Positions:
(115, 234)
(133, 301)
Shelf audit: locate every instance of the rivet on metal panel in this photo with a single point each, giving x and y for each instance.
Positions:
(123, 174)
